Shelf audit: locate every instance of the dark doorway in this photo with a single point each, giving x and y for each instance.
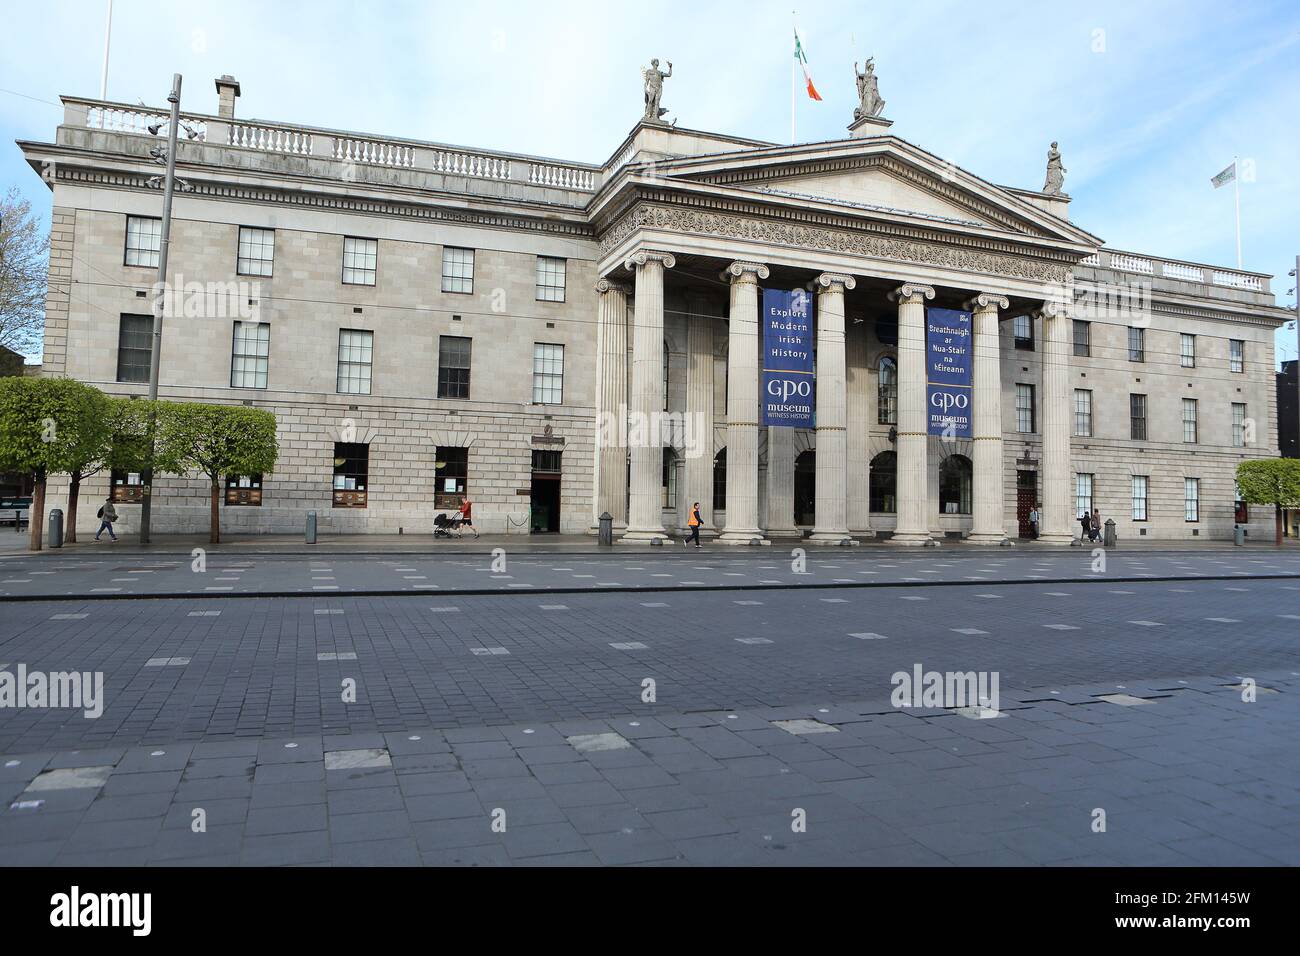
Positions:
(544, 496)
(805, 488)
(1026, 498)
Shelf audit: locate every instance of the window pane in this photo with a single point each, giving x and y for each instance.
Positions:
(453, 366)
(360, 259)
(1024, 408)
(887, 399)
(1191, 499)
(143, 241)
(1082, 338)
(550, 279)
(1187, 350)
(1083, 413)
(1139, 498)
(1137, 351)
(548, 374)
(1137, 410)
(250, 355)
(354, 361)
(457, 269)
(1189, 420)
(134, 348)
(1082, 494)
(1236, 355)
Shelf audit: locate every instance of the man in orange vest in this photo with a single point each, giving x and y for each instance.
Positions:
(693, 522)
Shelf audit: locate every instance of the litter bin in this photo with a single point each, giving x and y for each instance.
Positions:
(56, 528)
(606, 528)
(1108, 534)
(311, 527)
(1238, 535)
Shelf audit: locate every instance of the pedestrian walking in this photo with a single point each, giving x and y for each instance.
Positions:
(1094, 525)
(693, 522)
(107, 514)
(466, 506)
(1085, 523)
(1034, 518)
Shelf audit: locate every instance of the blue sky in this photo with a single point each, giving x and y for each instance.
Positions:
(1148, 100)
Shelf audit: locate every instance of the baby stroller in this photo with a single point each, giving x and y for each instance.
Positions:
(444, 525)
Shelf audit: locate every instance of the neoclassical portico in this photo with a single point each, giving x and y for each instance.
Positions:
(801, 217)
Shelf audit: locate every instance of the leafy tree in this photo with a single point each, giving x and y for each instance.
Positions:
(216, 440)
(43, 427)
(1271, 481)
(23, 263)
(115, 438)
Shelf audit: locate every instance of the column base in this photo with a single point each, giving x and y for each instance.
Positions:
(986, 538)
(913, 539)
(618, 527)
(643, 537)
(832, 538)
(784, 533)
(1060, 539)
(754, 537)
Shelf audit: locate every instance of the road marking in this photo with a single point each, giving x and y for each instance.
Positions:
(967, 630)
(489, 651)
(554, 607)
(1120, 592)
(104, 590)
(1056, 593)
(990, 597)
(913, 597)
(1061, 627)
(753, 640)
(337, 656)
(167, 662)
(203, 614)
(630, 646)
(1224, 620)
(326, 610)
(747, 602)
(69, 617)
(653, 604)
(444, 610)
(869, 636)
(1147, 623)
(314, 587)
(833, 600)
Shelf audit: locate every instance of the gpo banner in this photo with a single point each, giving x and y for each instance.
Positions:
(788, 381)
(948, 372)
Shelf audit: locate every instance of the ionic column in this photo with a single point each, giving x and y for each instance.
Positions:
(987, 526)
(742, 404)
(1055, 405)
(913, 481)
(611, 403)
(858, 419)
(832, 518)
(780, 484)
(698, 434)
(644, 521)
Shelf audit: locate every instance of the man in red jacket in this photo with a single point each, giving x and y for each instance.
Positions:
(465, 507)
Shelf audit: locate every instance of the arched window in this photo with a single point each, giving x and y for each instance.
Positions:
(884, 483)
(887, 406)
(720, 481)
(670, 479)
(954, 485)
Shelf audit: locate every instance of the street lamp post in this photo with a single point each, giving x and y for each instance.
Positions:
(159, 304)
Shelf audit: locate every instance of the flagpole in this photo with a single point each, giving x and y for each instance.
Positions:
(794, 81)
(1236, 190)
(108, 35)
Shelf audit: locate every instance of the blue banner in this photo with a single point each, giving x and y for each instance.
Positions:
(788, 391)
(948, 372)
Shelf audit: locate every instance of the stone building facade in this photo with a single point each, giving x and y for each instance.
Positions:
(556, 339)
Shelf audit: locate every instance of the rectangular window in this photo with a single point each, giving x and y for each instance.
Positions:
(1137, 417)
(1082, 494)
(1236, 355)
(134, 348)
(548, 374)
(143, 241)
(451, 477)
(1187, 350)
(457, 270)
(550, 279)
(360, 261)
(256, 251)
(127, 487)
(355, 349)
(1024, 408)
(1082, 338)
(1022, 327)
(1137, 345)
(250, 356)
(244, 490)
(1189, 421)
(351, 475)
(1239, 424)
(1191, 499)
(1083, 413)
(453, 366)
(1139, 497)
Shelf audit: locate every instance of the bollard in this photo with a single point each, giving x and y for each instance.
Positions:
(606, 528)
(56, 528)
(1238, 536)
(1108, 534)
(311, 527)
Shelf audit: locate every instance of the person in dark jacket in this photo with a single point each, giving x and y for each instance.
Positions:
(107, 515)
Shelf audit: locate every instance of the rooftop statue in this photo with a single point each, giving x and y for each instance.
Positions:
(869, 101)
(1055, 172)
(654, 89)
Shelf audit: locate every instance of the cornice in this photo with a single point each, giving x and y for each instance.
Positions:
(860, 242)
(209, 189)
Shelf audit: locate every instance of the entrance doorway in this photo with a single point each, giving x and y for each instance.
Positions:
(544, 495)
(1026, 498)
(805, 488)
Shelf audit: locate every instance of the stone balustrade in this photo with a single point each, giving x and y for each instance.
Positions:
(270, 138)
(1174, 269)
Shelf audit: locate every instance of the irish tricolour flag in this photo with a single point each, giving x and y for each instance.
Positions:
(802, 58)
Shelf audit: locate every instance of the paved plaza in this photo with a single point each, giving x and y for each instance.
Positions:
(659, 707)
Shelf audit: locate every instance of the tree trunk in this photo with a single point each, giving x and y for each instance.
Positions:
(1277, 539)
(70, 523)
(36, 517)
(214, 537)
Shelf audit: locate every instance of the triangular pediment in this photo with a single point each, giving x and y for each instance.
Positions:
(876, 176)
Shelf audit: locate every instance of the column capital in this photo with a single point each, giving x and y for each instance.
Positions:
(647, 255)
(828, 279)
(612, 285)
(1053, 310)
(984, 301)
(742, 271)
(912, 290)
